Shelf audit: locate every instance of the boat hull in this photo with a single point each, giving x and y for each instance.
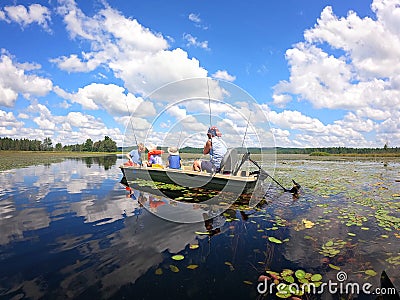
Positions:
(192, 179)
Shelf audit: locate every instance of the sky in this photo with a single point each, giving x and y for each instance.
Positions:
(287, 73)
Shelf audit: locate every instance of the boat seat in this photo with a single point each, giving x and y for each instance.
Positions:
(229, 161)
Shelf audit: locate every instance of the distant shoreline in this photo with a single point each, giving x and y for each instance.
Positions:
(20, 159)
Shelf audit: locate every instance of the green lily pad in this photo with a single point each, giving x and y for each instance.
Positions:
(274, 240)
(300, 274)
(370, 272)
(174, 269)
(316, 277)
(177, 257)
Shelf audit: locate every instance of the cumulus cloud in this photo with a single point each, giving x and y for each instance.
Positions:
(224, 75)
(364, 75)
(136, 55)
(14, 80)
(24, 16)
(110, 97)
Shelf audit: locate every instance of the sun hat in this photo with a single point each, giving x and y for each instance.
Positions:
(173, 151)
(151, 147)
(214, 131)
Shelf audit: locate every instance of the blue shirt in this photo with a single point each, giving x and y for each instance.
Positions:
(135, 156)
(174, 161)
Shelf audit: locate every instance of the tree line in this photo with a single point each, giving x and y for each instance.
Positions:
(105, 145)
(339, 150)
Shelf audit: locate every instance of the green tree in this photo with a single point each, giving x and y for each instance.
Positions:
(88, 145)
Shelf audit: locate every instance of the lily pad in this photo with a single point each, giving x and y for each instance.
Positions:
(173, 268)
(192, 267)
(370, 272)
(316, 277)
(178, 257)
(300, 274)
(274, 240)
(334, 267)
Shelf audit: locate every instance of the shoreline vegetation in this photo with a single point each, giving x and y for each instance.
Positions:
(10, 159)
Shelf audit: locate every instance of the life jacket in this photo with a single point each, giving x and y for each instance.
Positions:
(154, 152)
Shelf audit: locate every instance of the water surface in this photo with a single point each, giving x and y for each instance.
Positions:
(71, 230)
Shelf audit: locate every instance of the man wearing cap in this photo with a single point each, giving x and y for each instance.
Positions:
(214, 146)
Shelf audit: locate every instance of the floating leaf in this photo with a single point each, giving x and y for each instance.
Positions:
(159, 271)
(177, 257)
(192, 267)
(288, 279)
(300, 274)
(329, 243)
(174, 269)
(370, 272)
(193, 246)
(274, 240)
(202, 233)
(283, 295)
(316, 277)
(334, 267)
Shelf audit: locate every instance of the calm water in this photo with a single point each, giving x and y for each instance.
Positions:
(71, 230)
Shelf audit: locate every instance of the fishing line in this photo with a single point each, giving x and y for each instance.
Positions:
(247, 126)
(130, 119)
(209, 101)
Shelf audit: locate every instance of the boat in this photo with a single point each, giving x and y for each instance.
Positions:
(243, 183)
(229, 179)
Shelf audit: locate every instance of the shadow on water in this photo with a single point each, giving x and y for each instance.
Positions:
(72, 230)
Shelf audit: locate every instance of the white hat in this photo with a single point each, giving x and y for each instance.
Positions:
(173, 151)
(151, 147)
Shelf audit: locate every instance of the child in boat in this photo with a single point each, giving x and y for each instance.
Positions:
(154, 157)
(174, 159)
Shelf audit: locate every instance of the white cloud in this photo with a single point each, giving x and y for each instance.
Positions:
(14, 80)
(35, 13)
(135, 54)
(7, 119)
(224, 75)
(192, 41)
(363, 79)
(111, 98)
(194, 18)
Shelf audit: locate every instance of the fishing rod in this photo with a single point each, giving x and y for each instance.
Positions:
(209, 101)
(294, 190)
(130, 119)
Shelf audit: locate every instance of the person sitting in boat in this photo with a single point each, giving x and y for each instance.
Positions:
(174, 159)
(154, 157)
(135, 155)
(214, 146)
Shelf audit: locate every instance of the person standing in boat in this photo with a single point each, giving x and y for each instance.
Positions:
(174, 159)
(214, 146)
(134, 156)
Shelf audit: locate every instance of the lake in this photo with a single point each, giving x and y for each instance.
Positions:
(71, 230)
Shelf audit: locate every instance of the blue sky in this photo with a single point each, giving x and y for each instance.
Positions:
(316, 73)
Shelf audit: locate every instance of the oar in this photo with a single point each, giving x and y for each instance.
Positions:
(293, 190)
